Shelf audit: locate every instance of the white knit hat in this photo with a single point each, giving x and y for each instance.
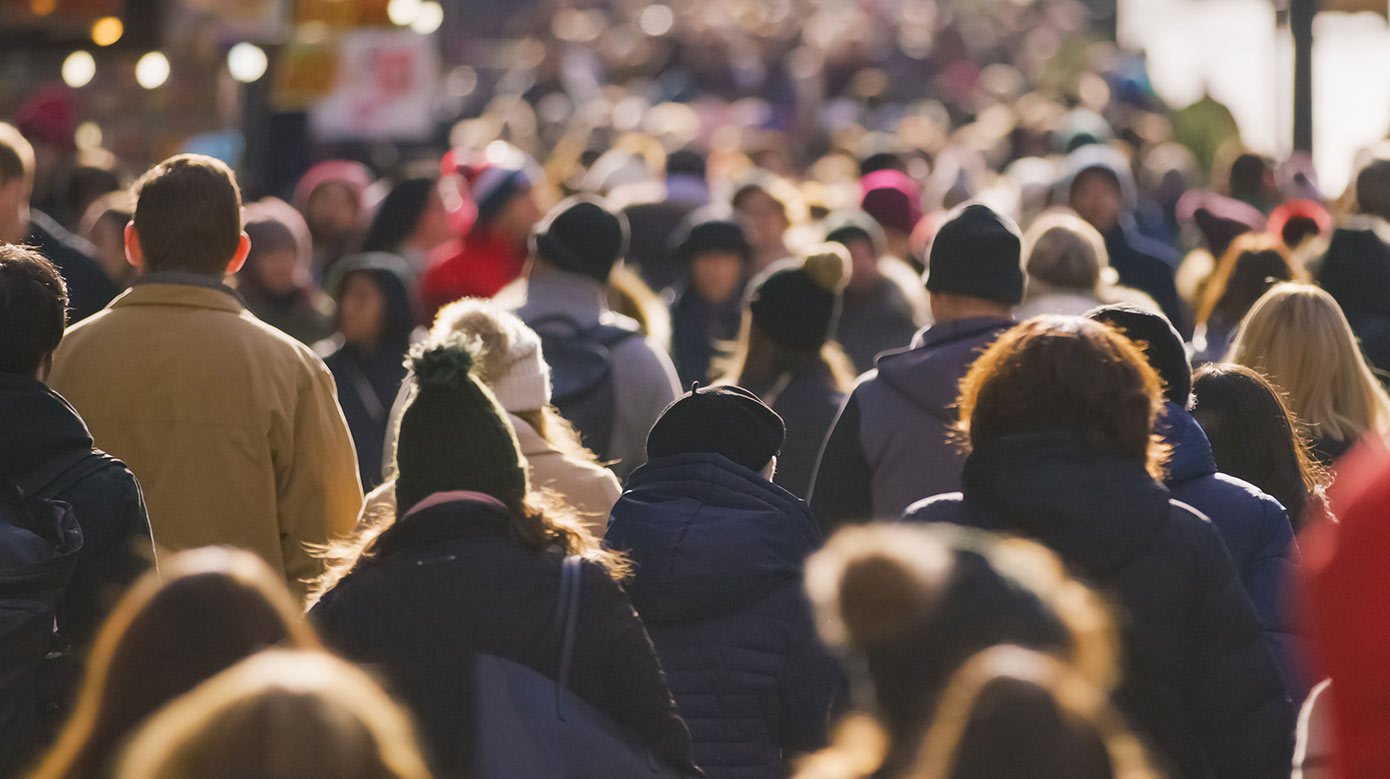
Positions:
(510, 360)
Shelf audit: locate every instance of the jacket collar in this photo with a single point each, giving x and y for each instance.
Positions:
(178, 288)
(442, 522)
(556, 293)
(955, 330)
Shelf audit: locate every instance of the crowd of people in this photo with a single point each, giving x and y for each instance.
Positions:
(1015, 435)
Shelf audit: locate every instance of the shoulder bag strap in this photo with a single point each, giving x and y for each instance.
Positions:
(568, 607)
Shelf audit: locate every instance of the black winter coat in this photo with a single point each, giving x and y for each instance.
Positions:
(37, 426)
(1257, 533)
(1199, 682)
(452, 581)
(719, 553)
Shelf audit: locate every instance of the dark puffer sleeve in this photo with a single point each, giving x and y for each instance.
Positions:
(1235, 697)
(842, 487)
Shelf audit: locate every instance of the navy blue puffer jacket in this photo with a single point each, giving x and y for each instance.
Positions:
(1198, 681)
(719, 553)
(1255, 528)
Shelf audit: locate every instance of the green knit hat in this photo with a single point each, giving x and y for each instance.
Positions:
(454, 435)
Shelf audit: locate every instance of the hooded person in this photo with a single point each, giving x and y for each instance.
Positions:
(491, 253)
(892, 443)
(1355, 271)
(744, 664)
(1099, 186)
(788, 358)
(609, 381)
(329, 195)
(883, 302)
(376, 319)
(708, 306)
(1254, 525)
(479, 563)
(277, 281)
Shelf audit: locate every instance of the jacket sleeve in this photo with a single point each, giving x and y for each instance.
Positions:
(1234, 695)
(1269, 578)
(115, 550)
(809, 684)
(842, 488)
(632, 679)
(318, 487)
(644, 384)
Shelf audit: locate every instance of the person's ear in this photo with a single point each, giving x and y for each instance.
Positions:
(133, 253)
(243, 248)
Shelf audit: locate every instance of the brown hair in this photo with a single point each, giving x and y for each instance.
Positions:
(279, 715)
(1242, 276)
(188, 215)
(1066, 373)
(33, 309)
(1065, 251)
(760, 361)
(203, 611)
(16, 155)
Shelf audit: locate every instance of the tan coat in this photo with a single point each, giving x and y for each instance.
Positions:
(590, 489)
(232, 427)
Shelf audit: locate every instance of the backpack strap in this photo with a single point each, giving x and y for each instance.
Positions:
(568, 609)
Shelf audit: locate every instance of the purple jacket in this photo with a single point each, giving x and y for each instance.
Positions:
(891, 445)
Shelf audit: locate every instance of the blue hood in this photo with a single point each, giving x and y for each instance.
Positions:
(1191, 457)
(708, 536)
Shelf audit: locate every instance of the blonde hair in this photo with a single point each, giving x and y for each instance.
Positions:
(1065, 251)
(1298, 337)
(279, 715)
(1078, 702)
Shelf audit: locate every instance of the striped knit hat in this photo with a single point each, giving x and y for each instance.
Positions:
(493, 178)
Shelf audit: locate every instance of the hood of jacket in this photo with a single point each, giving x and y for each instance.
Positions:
(1191, 456)
(394, 278)
(928, 373)
(1096, 511)
(36, 425)
(708, 537)
(1099, 157)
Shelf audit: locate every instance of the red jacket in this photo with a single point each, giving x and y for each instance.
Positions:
(477, 266)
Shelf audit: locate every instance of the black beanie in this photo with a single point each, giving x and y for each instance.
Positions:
(705, 232)
(725, 420)
(798, 303)
(1160, 342)
(977, 254)
(582, 235)
(454, 435)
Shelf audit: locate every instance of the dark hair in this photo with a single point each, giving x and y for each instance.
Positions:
(203, 611)
(16, 155)
(689, 161)
(1373, 188)
(33, 309)
(87, 183)
(1255, 437)
(1243, 274)
(1066, 373)
(399, 214)
(1247, 175)
(188, 215)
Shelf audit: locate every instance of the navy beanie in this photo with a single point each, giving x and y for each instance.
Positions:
(582, 235)
(1160, 343)
(797, 304)
(725, 420)
(977, 254)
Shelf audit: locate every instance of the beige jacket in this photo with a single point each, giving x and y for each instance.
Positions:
(232, 427)
(590, 489)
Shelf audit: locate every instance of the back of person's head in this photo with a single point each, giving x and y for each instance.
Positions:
(279, 257)
(892, 198)
(1012, 712)
(976, 254)
(1160, 343)
(1065, 251)
(1254, 436)
(279, 715)
(1250, 175)
(188, 215)
(33, 309)
(1298, 337)
(797, 303)
(16, 157)
(688, 161)
(914, 602)
(508, 353)
(1066, 374)
(847, 227)
(398, 214)
(723, 420)
(1250, 266)
(1295, 221)
(582, 235)
(1373, 187)
(202, 612)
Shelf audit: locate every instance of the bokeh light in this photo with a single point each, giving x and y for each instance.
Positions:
(429, 18)
(403, 12)
(152, 70)
(79, 69)
(247, 62)
(107, 30)
(656, 20)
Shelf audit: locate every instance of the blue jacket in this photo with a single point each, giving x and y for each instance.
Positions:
(719, 552)
(1198, 681)
(1255, 528)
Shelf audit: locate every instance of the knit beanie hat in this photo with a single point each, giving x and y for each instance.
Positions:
(583, 235)
(725, 420)
(977, 254)
(706, 231)
(509, 359)
(453, 434)
(798, 303)
(846, 226)
(892, 198)
(1160, 343)
(494, 177)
